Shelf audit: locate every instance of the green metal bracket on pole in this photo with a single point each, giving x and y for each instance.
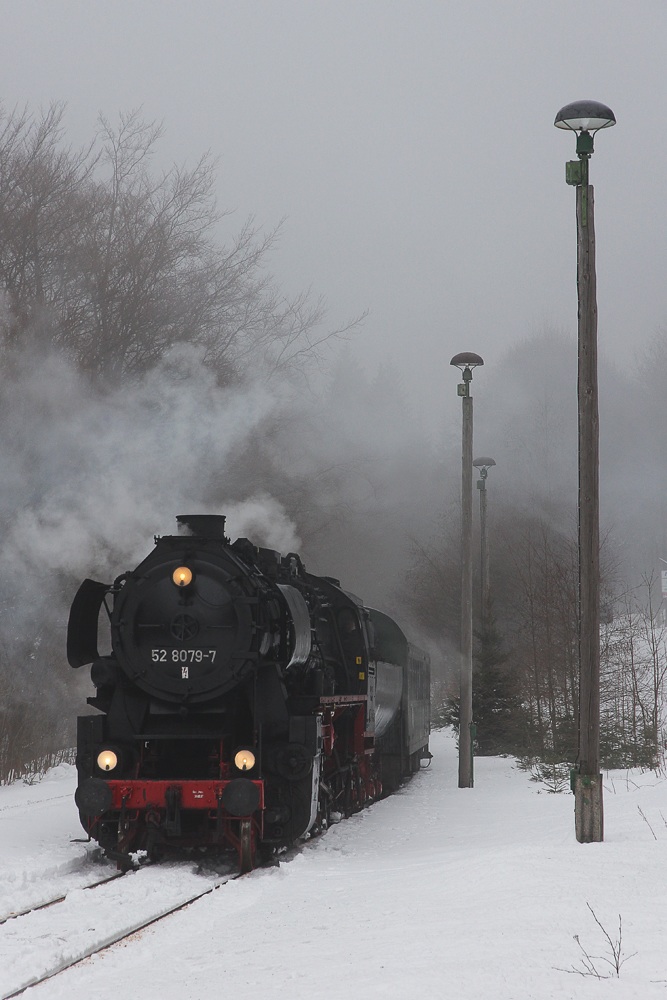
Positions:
(573, 172)
(463, 389)
(584, 144)
(576, 173)
(587, 780)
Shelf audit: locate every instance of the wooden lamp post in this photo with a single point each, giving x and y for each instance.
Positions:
(466, 362)
(585, 118)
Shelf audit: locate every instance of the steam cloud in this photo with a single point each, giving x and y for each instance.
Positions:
(89, 478)
(262, 519)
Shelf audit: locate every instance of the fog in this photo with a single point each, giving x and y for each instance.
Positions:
(410, 150)
(409, 147)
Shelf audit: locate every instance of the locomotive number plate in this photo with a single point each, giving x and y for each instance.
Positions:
(163, 655)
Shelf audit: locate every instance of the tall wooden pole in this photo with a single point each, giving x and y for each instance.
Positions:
(466, 361)
(484, 546)
(466, 776)
(585, 118)
(588, 780)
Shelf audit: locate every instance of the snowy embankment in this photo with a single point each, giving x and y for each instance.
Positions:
(437, 892)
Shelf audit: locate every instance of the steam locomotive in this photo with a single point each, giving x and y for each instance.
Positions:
(244, 703)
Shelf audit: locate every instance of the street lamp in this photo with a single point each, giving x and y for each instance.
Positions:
(484, 464)
(585, 118)
(466, 362)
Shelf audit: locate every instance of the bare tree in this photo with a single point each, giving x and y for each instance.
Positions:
(634, 668)
(40, 218)
(115, 264)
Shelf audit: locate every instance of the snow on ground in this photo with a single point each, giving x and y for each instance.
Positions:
(37, 824)
(437, 892)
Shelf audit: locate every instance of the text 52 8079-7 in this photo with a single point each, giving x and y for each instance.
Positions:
(183, 655)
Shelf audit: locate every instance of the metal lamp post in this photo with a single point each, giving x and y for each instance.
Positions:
(484, 464)
(585, 118)
(466, 362)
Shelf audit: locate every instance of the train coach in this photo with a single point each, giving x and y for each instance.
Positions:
(244, 703)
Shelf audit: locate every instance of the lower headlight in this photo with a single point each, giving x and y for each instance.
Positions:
(107, 760)
(244, 760)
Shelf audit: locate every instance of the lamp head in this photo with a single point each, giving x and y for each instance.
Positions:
(466, 360)
(585, 118)
(483, 464)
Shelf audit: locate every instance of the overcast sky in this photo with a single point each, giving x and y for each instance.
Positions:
(409, 145)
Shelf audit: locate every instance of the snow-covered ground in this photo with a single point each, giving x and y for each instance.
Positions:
(437, 892)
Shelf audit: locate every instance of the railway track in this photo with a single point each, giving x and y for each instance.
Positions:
(91, 919)
(22, 805)
(56, 899)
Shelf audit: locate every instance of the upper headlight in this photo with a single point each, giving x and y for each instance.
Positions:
(182, 576)
(107, 760)
(244, 760)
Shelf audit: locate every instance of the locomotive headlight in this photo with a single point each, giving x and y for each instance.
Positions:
(244, 760)
(182, 576)
(107, 760)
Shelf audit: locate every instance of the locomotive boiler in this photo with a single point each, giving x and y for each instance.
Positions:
(243, 703)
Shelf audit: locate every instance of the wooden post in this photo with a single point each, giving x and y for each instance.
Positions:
(466, 777)
(588, 780)
(484, 544)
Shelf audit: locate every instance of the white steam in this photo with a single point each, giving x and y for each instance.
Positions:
(264, 521)
(88, 479)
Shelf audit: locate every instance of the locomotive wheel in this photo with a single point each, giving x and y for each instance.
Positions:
(246, 847)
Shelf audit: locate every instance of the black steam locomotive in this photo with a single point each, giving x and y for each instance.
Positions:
(245, 702)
